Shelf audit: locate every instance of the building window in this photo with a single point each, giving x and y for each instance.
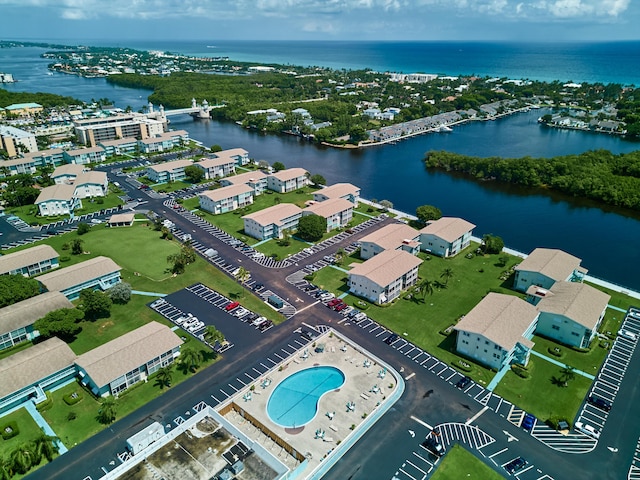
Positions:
(555, 327)
(575, 334)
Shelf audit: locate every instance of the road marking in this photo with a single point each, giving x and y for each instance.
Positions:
(409, 376)
(484, 409)
(424, 424)
(498, 453)
(308, 306)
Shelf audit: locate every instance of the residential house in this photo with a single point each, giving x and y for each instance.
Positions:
(339, 190)
(85, 155)
(226, 199)
(168, 171)
(545, 266)
(256, 180)
(382, 278)
(337, 212)
(570, 313)
(395, 236)
(116, 365)
(446, 236)
(16, 321)
(497, 331)
(30, 261)
(57, 200)
(97, 273)
(271, 222)
(289, 180)
(216, 167)
(26, 375)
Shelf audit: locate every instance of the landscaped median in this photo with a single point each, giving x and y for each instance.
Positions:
(458, 464)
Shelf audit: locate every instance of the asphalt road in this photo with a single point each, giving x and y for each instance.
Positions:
(385, 448)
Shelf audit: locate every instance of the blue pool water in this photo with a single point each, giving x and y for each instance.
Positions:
(294, 402)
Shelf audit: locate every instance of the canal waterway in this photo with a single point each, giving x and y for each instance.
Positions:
(606, 239)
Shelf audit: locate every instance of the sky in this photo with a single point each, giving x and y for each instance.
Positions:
(500, 20)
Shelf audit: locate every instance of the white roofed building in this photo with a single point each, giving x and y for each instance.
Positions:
(339, 190)
(226, 199)
(271, 222)
(446, 236)
(337, 212)
(216, 167)
(289, 180)
(257, 180)
(30, 261)
(168, 171)
(395, 236)
(545, 266)
(57, 200)
(97, 273)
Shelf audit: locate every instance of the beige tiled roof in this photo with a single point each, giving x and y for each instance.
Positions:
(215, 162)
(56, 192)
(16, 161)
(122, 218)
(43, 153)
(338, 190)
(83, 151)
(289, 174)
(92, 177)
(169, 166)
(28, 256)
(580, 302)
(26, 312)
(121, 355)
(63, 278)
(118, 141)
(274, 214)
(246, 177)
(551, 262)
(500, 318)
(448, 228)
(330, 207)
(164, 136)
(391, 236)
(33, 364)
(386, 267)
(68, 169)
(226, 192)
(232, 152)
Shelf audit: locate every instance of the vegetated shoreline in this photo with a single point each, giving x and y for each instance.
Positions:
(597, 175)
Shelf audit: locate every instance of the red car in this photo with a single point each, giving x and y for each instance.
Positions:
(231, 306)
(341, 307)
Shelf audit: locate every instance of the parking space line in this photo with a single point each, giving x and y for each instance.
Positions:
(498, 453)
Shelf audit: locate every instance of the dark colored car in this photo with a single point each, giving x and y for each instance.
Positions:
(258, 286)
(263, 326)
(309, 334)
(433, 446)
(310, 288)
(516, 465)
(528, 422)
(463, 382)
(601, 403)
(391, 338)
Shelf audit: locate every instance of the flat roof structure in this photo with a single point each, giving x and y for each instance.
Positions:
(580, 302)
(29, 366)
(84, 151)
(226, 192)
(387, 266)
(118, 141)
(64, 278)
(127, 352)
(500, 318)
(448, 228)
(26, 257)
(91, 177)
(274, 214)
(552, 263)
(26, 312)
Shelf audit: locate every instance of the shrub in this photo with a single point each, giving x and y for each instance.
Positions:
(9, 430)
(64, 259)
(72, 398)
(555, 351)
(581, 350)
(309, 277)
(46, 405)
(72, 416)
(100, 200)
(65, 246)
(520, 371)
(462, 365)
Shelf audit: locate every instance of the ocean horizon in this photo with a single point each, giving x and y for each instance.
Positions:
(592, 62)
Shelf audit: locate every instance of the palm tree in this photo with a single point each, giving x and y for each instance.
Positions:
(164, 376)
(45, 446)
(107, 412)
(447, 273)
(242, 275)
(212, 335)
(6, 472)
(190, 358)
(22, 458)
(339, 255)
(424, 287)
(568, 374)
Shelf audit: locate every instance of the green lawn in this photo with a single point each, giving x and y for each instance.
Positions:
(171, 186)
(331, 279)
(588, 362)
(273, 247)
(29, 213)
(459, 464)
(540, 395)
(29, 430)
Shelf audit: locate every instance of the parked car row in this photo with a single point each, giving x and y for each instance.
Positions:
(254, 319)
(189, 323)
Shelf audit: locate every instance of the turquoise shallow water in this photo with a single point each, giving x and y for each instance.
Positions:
(294, 401)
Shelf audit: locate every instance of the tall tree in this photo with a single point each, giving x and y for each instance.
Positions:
(15, 288)
(120, 293)
(278, 166)
(424, 287)
(312, 227)
(61, 323)
(447, 273)
(242, 275)
(428, 212)
(45, 446)
(190, 358)
(76, 246)
(194, 174)
(568, 373)
(95, 304)
(22, 458)
(108, 411)
(164, 376)
(212, 335)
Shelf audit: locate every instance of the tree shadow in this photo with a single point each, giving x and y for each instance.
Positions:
(557, 381)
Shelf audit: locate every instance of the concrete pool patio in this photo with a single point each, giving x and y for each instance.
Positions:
(371, 387)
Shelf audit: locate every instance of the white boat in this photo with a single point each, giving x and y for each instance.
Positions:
(444, 128)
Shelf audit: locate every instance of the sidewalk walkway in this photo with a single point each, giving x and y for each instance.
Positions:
(497, 377)
(560, 364)
(617, 308)
(148, 294)
(42, 423)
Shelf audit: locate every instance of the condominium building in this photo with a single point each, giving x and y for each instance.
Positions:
(95, 130)
(15, 140)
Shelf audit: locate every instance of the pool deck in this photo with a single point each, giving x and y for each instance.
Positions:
(363, 373)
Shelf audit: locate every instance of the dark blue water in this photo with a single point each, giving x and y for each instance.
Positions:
(605, 239)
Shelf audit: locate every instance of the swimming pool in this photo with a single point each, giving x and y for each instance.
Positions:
(294, 401)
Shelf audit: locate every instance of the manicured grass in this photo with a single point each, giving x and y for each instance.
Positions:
(540, 396)
(29, 213)
(171, 186)
(588, 362)
(273, 247)
(29, 430)
(618, 299)
(459, 464)
(331, 279)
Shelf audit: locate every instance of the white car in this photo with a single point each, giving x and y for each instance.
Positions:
(587, 430)
(258, 321)
(325, 297)
(627, 334)
(240, 312)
